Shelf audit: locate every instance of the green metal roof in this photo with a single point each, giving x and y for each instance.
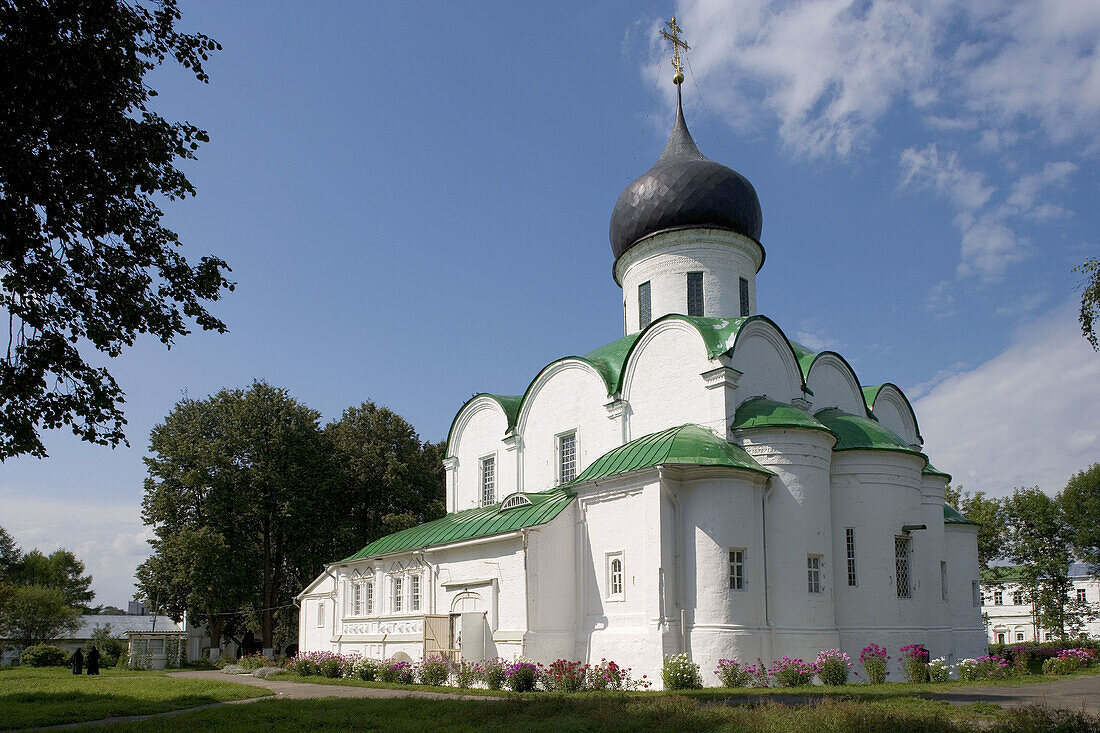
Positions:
(610, 358)
(856, 432)
(951, 515)
(804, 356)
(510, 404)
(931, 470)
(686, 444)
(760, 412)
(870, 394)
(471, 524)
(1001, 573)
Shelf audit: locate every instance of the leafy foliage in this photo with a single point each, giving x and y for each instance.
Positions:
(10, 554)
(44, 655)
(61, 570)
(1090, 299)
(1081, 504)
(989, 514)
(86, 265)
(33, 614)
(110, 646)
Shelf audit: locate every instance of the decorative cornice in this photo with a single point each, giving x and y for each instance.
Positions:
(616, 408)
(722, 376)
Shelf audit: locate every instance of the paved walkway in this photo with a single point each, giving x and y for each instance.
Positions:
(1081, 693)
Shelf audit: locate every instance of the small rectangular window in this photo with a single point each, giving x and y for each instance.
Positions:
(567, 457)
(1017, 598)
(645, 311)
(1081, 596)
(398, 594)
(695, 293)
(998, 600)
(850, 548)
(357, 598)
(488, 480)
(943, 580)
(813, 573)
(744, 296)
(320, 613)
(975, 596)
(414, 593)
(737, 570)
(1019, 636)
(903, 562)
(369, 591)
(615, 577)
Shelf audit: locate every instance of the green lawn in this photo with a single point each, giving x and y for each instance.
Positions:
(558, 714)
(34, 696)
(352, 682)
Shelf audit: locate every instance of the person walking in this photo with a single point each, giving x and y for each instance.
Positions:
(77, 662)
(93, 660)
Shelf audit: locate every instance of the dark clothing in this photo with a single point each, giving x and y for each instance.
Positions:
(77, 662)
(93, 661)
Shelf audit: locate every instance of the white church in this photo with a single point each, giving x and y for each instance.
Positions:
(702, 484)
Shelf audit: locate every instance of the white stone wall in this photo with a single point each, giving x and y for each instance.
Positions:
(1012, 620)
(833, 384)
(766, 365)
(478, 432)
(664, 260)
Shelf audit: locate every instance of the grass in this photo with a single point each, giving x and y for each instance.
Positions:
(36, 696)
(562, 714)
(352, 682)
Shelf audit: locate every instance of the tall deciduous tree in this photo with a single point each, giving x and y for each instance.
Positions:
(32, 614)
(60, 570)
(85, 263)
(1081, 501)
(1090, 299)
(1038, 539)
(989, 514)
(10, 554)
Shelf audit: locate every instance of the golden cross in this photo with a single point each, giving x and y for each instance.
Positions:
(674, 40)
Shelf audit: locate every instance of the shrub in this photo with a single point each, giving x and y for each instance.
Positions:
(609, 676)
(788, 672)
(433, 671)
(521, 676)
(303, 664)
(915, 662)
(201, 663)
(363, 668)
(874, 658)
(233, 669)
(833, 667)
(984, 668)
(467, 674)
(1070, 660)
(494, 673)
(731, 674)
(391, 671)
(938, 671)
(110, 647)
(255, 661)
(331, 667)
(44, 655)
(265, 672)
(679, 673)
(565, 676)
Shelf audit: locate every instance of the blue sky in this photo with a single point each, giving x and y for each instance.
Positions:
(414, 198)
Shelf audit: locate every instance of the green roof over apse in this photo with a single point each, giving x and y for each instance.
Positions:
(855, 432)
(760, 412)
(951, 515)
(610, 358)
(687, 445)
(471, 524)
(805, 357)
(930, 470)
(870, 393)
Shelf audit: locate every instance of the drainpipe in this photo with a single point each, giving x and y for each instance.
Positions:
(527, 597)
(765, 494)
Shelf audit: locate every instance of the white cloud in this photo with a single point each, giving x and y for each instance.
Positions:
(1026, 417)
(109, 538)
(966, 189)
(815, 342)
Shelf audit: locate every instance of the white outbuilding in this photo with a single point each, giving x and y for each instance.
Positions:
(702, 484)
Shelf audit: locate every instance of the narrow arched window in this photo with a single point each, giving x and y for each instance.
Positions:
(616, 576)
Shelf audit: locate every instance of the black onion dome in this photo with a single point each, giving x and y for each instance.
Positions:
(684, 189)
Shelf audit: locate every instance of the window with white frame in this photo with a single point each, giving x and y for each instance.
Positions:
(943, 580)
(414, 592)
(850, 549)
(488, 480)
(615, 576)
(903, 563)
(320, 612)
(1081, 595)
(695, 293)
(998, 598)
(368, 597)
(357, 598)
(813, 573)
(1019, 636)
(645, 311)
(1017, 598)
(737, 569)
(398, 594)
(567, 457)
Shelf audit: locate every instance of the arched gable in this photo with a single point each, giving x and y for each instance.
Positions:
(833, 383)
(569, 365)
(505, 406)
(891, 407)
(763, 355)
(476, 435)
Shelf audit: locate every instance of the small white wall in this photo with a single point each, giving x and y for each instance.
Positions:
(569, 396)
(311, 636)
(663, 381)
(767, 366)
(834, 385)
(961, 545)
(664, 260)
(893, 412)
(478, 432)
(551, 600)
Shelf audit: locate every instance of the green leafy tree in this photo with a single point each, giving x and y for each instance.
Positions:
(1038, 539)
(952, 494)
(388, 478)
(60, 570)
(1090, 299)
(989, 514)
(85, 262)
(238, 494)
(111, 647)
(10, 554)
(1081, 502)
(34, 614)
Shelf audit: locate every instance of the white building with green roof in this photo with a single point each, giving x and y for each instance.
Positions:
(701, 485)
